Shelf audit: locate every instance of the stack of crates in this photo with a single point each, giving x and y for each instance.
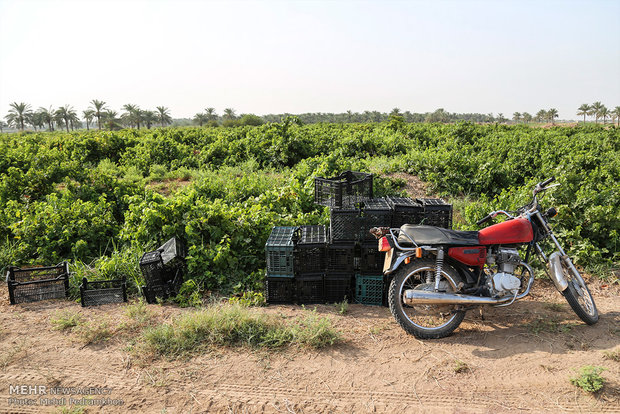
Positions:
(163, 271)
(280, 271)
(345, 190)
(312, 264)
(405, 211)
(436, 212)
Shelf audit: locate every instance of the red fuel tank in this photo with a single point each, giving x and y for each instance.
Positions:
(514, 231)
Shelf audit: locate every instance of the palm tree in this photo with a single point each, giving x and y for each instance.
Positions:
(527, 118)
(111, 119)
(584, 110)
(596, 110)
(211, 115)
(516, 116)
(36, 120)
(129, 115)
(67, 114)
(18, 114)
(163, 116)
(74, 120)
(616, 114)
(552, 114)
(2, 125)
(395, 112)
(88, 115)
(99, 108)
(229, 113)
(149, 118)
(200, 118)
(604, 113)
(47, 115)
(541, 115)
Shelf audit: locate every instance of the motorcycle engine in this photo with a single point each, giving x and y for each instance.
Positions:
(504, 282)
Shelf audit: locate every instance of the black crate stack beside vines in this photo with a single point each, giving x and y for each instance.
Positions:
(325, 264)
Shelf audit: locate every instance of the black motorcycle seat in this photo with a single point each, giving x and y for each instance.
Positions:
(431, 235)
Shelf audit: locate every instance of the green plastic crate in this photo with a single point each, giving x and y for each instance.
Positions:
(369, 289)
(279, 252)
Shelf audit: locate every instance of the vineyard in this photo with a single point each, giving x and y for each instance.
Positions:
(99, 199)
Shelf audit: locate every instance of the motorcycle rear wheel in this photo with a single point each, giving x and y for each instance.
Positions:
(424, 321)
(579, 298)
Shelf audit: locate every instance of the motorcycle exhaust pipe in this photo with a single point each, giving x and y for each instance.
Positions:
(413, 297)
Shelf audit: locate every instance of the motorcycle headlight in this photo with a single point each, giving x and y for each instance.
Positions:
(552, 212)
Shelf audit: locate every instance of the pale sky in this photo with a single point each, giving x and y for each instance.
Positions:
(311, 56)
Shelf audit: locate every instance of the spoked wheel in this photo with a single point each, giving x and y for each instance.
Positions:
(425, 321)
(578, 296)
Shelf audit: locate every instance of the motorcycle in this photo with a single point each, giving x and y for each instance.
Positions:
(438, 274)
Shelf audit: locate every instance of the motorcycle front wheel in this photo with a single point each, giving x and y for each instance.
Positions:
(425, 321)
(578, 297)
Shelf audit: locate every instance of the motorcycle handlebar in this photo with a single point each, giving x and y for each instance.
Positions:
(484, 220)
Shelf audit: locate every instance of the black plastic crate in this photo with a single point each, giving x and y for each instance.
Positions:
(100, 292)
(174, 285)
(151, 293)
(340, 257)
(345, 224)
(311, 250)
(173, 254)
(405, 211)
(310, 258)
(369, 289)
(279, 290)
(33, 284)
(167, 289)
(279, 252)
(309, 288)
(375, 213)
(311, 234)
(343, 191)
(436, 212)
(152, 268)
(337, 286)
(371, 259)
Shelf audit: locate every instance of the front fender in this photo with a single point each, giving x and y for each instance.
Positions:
(556, 272)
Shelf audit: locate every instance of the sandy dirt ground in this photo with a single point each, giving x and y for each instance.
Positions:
(512, 359)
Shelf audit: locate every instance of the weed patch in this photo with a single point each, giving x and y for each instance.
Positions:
(139, 315)
(589, 378)
(66, 319)
(249, 298)
(93, 332)
(460, 367)
(236, 325)
(555, 307)
(542, 325)
(342, 307)
(612, 355)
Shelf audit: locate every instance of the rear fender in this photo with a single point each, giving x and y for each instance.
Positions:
(393, 260)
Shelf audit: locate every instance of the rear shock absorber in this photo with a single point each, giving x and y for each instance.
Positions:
(438, 267)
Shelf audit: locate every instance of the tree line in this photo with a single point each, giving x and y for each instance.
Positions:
(66, 117)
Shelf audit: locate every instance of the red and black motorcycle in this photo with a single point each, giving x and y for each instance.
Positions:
(438, 274)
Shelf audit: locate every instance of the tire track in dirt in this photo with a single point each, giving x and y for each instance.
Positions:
(559, 399)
